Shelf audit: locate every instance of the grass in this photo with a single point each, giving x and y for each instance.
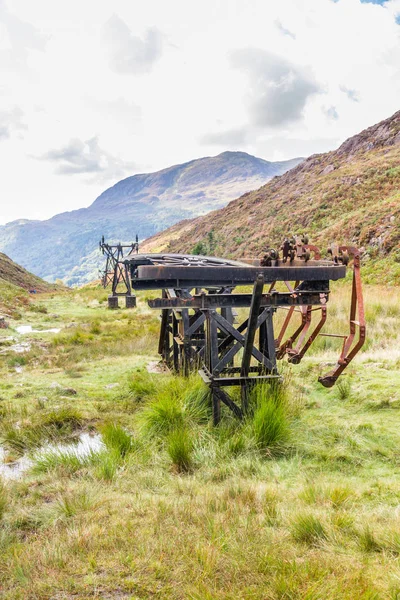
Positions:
(117, 439)
(65, 462)
(270, 423)
(37, 428)
(179, 448)
(300, 500)
(308, 529)
(3, 499)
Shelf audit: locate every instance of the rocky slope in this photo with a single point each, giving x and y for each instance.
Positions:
(350, 195)
(66, 245)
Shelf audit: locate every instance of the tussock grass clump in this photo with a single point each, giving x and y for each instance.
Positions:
(71, 504)
(179, 448)
(343, 388)
(66, 462)
(310, 494)
(107, 464)
(337, 496)
(143, 385)
(270, 506)
(163, 415)
(17, 441)
(95, 327)
(74, 373)
(42, 427)
(368, 541)
(308, 529)
(236, 444)
(269, 425)
(180, 402)
(117, 439)
(270, 421)
(340, 496)
(77, 337)
(64, 418)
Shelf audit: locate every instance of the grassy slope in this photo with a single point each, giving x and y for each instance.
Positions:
(357, 202)
(19, 277)
(15, 282)
(316, 517)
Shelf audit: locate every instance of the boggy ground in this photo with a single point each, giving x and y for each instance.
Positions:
(300, 501)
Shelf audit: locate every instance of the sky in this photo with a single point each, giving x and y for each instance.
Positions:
(92, 91)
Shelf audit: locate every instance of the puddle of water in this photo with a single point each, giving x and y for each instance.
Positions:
(20, 348)
(22, 329)
(86, 444)
(15, 469)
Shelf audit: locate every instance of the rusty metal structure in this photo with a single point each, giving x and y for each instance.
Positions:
(199, 321)
(116, 272)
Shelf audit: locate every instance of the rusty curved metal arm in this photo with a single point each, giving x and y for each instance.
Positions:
(296, 354)
(350, 347)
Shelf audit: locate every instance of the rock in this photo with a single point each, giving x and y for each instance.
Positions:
(70, 391)
(3, 323)
(110, 386)
(55, 385)
(328, 169)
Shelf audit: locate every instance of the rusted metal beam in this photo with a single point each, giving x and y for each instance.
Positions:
(164, 276)
(209, 301)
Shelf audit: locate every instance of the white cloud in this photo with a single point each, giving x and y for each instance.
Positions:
(351, 94)
(278, 89)
(128, 53)
(18, 39)
(331, 112)
(124, 85)
(79, 157)
(283, 29)
(11, 122)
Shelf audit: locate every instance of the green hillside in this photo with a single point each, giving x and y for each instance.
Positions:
(15, 283)
(350, 195)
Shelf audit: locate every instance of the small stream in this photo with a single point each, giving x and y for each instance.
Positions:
(22, 329)
(21, 347)
(85, 444)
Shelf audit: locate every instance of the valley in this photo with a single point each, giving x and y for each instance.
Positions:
(311, 512)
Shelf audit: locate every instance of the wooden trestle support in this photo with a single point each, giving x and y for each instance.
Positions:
(209, 340)
(116, 272)
(199, 329)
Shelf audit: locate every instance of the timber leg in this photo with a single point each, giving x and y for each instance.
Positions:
(130, 301)
(112, 302)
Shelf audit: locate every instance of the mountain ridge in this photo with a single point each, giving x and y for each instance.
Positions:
(64, 245)
(349, 195)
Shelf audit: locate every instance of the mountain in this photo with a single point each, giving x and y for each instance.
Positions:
(349, 195)
(15, 282)
(65, 246)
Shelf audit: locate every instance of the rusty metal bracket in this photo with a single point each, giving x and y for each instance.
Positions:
(350, 346)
